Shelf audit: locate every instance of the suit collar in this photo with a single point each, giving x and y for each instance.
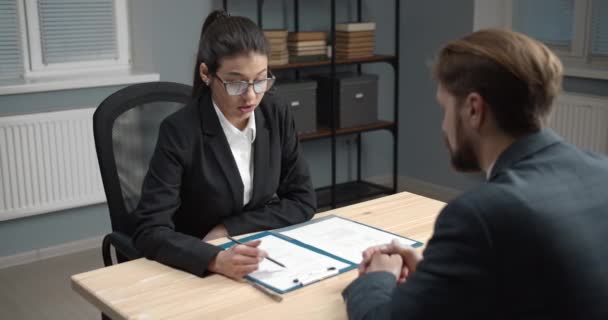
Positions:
(262, 157)
(262, 162)
(210, 123)
(230, 130)
(219, 147)
(522, 148)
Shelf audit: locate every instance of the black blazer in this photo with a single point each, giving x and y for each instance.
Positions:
(193, 184)
(531, 243)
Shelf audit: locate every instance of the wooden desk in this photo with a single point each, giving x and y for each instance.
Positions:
(144, 289)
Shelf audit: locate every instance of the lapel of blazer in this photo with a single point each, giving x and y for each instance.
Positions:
(221, 149)
(262, 159)
(522, 148)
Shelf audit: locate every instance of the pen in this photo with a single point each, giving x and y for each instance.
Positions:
(269, 258)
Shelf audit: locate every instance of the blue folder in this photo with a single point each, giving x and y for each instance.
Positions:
(277, 233)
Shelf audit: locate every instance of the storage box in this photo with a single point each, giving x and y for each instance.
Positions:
(355, 98)
(301, 97)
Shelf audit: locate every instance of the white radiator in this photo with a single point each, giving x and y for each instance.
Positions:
(582, 120)
(48, 163)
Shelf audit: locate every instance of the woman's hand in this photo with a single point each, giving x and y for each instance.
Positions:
(239, 260)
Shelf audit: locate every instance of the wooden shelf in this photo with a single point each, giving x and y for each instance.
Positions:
(350, 192)
(326, 132)
(374, 58)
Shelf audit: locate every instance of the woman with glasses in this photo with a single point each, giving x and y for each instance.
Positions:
(227, 163)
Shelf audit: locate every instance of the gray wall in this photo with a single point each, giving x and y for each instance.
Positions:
(586, 86)
(164, 37)
(55, 228)
(425, 27)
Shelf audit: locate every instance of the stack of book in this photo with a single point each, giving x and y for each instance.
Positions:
(355, 40)
(278, 47)
(307, 46)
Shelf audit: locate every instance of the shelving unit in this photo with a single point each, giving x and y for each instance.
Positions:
(353, 191)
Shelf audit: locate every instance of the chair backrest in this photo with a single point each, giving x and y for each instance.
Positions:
(125, 126)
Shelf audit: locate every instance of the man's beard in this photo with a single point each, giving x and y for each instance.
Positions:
(463, 158)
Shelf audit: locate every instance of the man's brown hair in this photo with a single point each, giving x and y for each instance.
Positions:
(516, 75)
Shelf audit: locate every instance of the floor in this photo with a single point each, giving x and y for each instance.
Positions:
(41, 290)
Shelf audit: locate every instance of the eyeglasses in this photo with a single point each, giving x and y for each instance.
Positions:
(236, 88)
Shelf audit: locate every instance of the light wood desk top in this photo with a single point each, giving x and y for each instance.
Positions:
(144, 289)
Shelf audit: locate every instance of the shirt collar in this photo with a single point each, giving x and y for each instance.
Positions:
(228, 127)
(489, 171)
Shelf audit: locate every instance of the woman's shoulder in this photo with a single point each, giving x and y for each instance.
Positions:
(274, 106)
(185, 114)
(182, 122)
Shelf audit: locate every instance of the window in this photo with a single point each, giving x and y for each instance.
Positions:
(577, 30)
(62, 37)
(11, 64)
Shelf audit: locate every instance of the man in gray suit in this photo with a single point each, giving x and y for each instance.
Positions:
(532, 241)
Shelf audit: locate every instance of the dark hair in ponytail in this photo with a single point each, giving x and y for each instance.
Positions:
(225, 36)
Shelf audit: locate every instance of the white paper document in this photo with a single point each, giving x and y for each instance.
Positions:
(303, 266)
(342, 238)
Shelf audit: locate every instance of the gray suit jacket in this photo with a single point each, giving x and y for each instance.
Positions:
(531, 243)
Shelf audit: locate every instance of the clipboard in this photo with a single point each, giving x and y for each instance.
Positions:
(337, 265)
(322, 262)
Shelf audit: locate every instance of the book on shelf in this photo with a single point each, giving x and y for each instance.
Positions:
(279, 55)
(309, 52)
(307, 49)
(356, 34)
(349, 40)
(277, 42)
(275, 33)
(354, 45)
(278, 62)
(317, 57)
(354, 55)
(351, 53)
(305, 44)
(356, 26)
(307, 36)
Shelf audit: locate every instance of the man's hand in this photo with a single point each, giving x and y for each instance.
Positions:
(409, 255)
(384, 262)
(239, 260)
(217, 232)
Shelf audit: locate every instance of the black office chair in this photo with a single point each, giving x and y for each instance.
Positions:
(125, 126)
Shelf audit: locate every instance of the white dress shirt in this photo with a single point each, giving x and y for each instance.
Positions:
(489, 172)
(241, 145)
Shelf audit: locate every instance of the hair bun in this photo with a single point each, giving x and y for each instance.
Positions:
(214, 16)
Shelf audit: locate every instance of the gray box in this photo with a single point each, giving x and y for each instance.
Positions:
(301, 97)
(356, 100)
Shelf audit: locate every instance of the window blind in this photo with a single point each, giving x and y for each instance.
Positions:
(77, 30)
(599, 28)
(550, 21)
(11, 62)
